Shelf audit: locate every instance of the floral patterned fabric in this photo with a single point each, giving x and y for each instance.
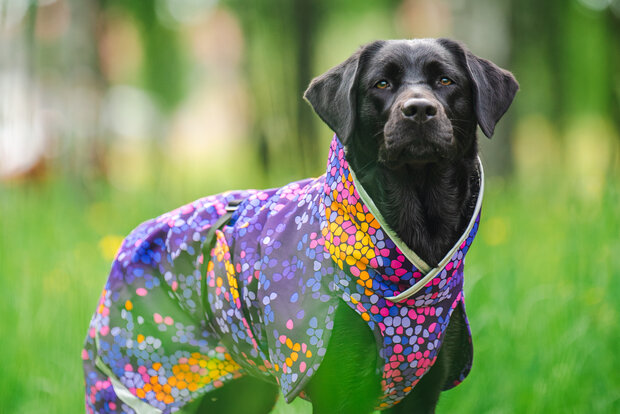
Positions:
(276, 274)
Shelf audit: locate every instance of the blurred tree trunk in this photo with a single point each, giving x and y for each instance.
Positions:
(535, 46)
(85, 15)
(305, 13)
(164, 67)
(613, 21)
(280, 35)
(566, 50)
(43, 56)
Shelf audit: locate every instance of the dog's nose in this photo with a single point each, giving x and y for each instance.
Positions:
(419, 109)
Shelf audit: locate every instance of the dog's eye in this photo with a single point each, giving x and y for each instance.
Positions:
(382, 84)
(445, 81)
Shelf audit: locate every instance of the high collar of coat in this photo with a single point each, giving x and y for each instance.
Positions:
(362, 244)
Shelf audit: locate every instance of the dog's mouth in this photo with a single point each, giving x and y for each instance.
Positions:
(412, 144)
(404, 159)
(415, 153)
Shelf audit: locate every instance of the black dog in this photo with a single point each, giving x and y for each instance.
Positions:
(407, 113)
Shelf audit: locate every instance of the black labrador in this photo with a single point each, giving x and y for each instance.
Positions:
(407, 112)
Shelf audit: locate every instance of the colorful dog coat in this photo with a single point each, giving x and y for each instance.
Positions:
(172, 325)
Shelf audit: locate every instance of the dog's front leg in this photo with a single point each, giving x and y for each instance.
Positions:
(347, 381)
(425, 395)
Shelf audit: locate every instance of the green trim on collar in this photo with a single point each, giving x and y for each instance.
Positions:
(409, 254)
(428, 271)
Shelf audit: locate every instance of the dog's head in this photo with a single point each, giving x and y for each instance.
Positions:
(412, 102)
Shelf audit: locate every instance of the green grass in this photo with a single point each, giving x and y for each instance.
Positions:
(542, 287)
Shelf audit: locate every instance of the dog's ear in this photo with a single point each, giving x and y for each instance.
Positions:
(333, 96)
(493, 87)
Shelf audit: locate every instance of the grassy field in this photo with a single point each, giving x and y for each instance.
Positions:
(542, 286)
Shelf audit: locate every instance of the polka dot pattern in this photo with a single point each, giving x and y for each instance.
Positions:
(273, 281)
(409, 333)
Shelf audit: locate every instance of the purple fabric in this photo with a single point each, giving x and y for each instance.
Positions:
(274, 279)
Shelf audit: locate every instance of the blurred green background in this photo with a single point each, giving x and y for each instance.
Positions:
(115, 111)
